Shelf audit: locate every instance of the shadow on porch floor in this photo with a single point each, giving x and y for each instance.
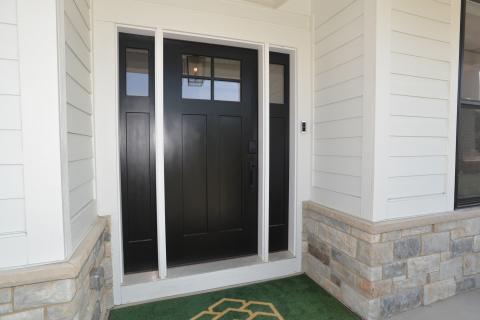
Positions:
(292, 298)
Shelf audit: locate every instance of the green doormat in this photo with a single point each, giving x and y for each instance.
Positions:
(290, 299)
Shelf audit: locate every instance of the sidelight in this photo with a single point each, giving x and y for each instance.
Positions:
(137, 72)
(277, 83)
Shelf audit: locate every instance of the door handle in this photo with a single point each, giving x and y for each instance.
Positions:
(252, 174)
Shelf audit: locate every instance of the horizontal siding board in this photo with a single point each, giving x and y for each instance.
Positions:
(10, 112)
(340, 110)
(432, 9)
(79, 147)
(414, 126)
(418, 146)
(414, 206)
(347, 71)
(8, 11)
(402, 187)
(347, 147)
(77, 70)
(78, 121)
(341, 37)
(339, 56)
(11, 177)
(11, 147)
(9, 41)
(419, 87)
(82, 223)
(14, 250)
(342, 18)
(346, 90)
(80, 197)
(420, 26)
(9, 77)
(339, 129)
(340, 165)
(339, 183)
(77, 21)
(78, 96)
(418, 106)
(84, 11)
(412, 166)
(80, 172)
(338, 201)
(75, 42)
(419, 67)
(421, 47)
(12, 215)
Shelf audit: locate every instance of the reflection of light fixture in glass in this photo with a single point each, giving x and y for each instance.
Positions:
(195, 70)
(195, 82)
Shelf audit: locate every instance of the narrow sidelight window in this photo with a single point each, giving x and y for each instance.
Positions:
(468, 132)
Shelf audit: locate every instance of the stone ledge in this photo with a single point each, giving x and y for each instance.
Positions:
(55, 271)
(391, 225)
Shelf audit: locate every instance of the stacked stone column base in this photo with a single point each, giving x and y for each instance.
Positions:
(378, 270)
(79, 289)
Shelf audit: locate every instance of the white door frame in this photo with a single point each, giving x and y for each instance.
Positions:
(163, 286)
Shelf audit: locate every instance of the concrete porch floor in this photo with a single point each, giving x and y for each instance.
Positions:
(462, 307)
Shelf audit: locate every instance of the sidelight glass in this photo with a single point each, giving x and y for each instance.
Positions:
(199, 89)
(277, 84)
(226, 91)
(197, 66)
(137, 76)
(227, 68)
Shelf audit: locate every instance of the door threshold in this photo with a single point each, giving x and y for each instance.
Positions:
(202, 268)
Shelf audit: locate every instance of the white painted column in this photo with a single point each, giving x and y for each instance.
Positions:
(39, 87)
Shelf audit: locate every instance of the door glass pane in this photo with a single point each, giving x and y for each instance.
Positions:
(137, 72)
(469, 158)
(277, 84)
(196, 89)
(227, 69)
(199, 66)
(471, 53)
(226, 91)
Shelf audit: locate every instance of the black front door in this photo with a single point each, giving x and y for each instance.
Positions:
(210, 130)
(137, 152)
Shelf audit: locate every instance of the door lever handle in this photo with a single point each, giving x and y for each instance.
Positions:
(252, 174)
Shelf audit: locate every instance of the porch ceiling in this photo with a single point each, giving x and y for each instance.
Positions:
(269, 3)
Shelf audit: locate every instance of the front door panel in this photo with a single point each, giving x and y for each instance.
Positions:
(210, 131)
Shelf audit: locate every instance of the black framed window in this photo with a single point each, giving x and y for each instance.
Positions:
(467, 186)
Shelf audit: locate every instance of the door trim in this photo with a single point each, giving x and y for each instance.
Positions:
(265, 269)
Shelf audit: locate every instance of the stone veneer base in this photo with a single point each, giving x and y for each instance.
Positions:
(380, 269)
(80, 288)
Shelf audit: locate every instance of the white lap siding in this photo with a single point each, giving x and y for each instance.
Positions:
(13, 239)
(338, 115)
(420, 62)
(81, 173)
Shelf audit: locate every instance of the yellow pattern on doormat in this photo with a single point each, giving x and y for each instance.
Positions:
(243, 310)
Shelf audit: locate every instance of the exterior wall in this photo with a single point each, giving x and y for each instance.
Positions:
(79, 289)
(422, 67)
(338, 113)
(12, 203)
(31, 205)
(79, 116)
(382, 269)
(385, 106)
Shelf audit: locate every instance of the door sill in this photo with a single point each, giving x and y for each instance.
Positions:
(202, 268)
(207, 277)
